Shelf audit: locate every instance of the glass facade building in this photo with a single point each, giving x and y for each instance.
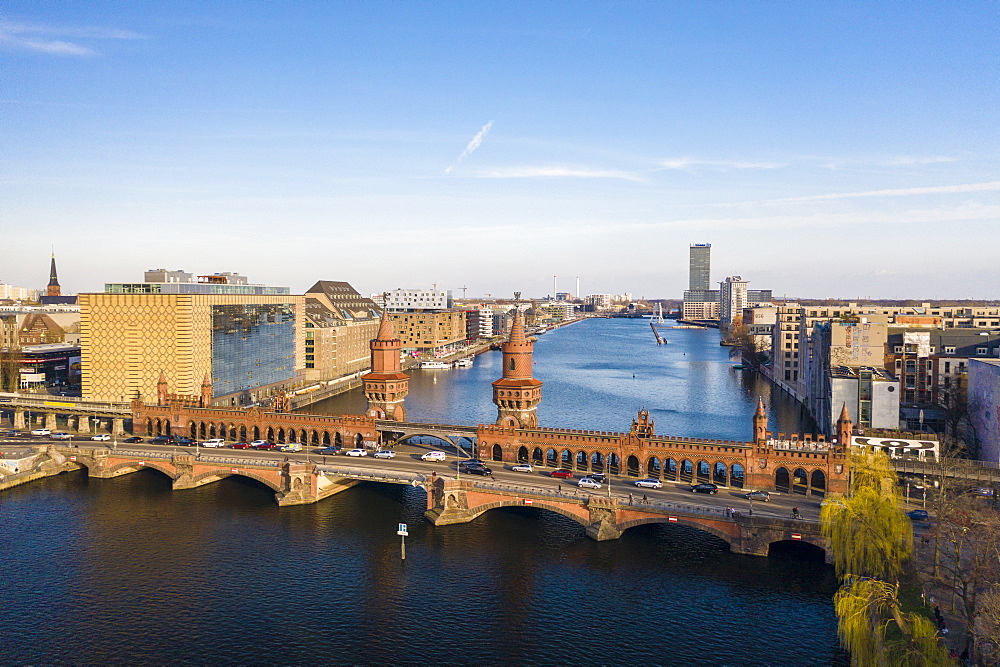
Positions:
(700, 267)
(253, 345)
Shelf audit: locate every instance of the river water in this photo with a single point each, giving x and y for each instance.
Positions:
(126, 571)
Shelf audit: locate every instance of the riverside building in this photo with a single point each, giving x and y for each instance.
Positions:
(244, 338)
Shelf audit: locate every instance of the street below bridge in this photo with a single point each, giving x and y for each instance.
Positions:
(407, 462)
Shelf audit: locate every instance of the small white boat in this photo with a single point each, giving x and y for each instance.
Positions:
(464, 362)
(434, 364)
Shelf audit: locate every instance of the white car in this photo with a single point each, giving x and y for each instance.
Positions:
(588, 483)
(385, 454)
(522, 467)
(356, 452)
(102, 437)
(433, 456)
(214, 442)
(41, 431)
(61, 436)
(650, 483)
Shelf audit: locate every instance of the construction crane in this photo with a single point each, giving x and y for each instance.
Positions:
(464, 289)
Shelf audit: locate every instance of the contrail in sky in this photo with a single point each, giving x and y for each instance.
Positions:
(473, 145)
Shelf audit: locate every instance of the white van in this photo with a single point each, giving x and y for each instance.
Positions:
(214, 442)
(433, 456)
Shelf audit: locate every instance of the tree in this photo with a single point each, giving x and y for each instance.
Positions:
(871, 538)
(10, 369)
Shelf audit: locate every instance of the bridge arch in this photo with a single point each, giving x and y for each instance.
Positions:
(817, 482)
(800, 481)
(681, 521)
(632, 467)
(782, 480)
(221, 473)
(686, 471)
(125, 468)
(498, 453)
(720, 473)
(737, 475)
(537, 504)
(670, 470)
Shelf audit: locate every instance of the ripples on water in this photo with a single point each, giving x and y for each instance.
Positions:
(126, 571)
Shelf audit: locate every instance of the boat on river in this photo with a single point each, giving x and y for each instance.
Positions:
(464, 362)
(434, 365)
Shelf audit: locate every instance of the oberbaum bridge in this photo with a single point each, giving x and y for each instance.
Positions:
(796, 464)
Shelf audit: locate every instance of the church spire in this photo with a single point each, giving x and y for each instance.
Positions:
(53, 288)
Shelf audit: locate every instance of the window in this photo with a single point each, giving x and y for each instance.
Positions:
(981, 350)
(949, 349)
(898, 349)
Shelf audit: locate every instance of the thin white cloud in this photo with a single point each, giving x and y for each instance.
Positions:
(52, 39)
(558, 172)
(688, 163)
(990, 186)
(471, 146)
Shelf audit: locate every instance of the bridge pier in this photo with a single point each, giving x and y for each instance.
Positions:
(299, 482)
(447, 502)
(19, 419)
(83, 425)
(603, 519)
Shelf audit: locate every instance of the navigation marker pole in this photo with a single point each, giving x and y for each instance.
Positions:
(402, 540)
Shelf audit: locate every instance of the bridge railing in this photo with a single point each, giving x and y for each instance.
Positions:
(373, 474)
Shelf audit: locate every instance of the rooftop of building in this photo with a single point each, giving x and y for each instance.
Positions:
(49, 347)
(849, 372)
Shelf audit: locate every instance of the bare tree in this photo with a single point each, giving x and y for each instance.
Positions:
(10, 369)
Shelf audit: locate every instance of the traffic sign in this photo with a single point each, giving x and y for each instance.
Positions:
(402, 530)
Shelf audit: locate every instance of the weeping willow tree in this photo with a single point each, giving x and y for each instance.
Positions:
(871, 538)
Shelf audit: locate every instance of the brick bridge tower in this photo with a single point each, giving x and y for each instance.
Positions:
(845, 429)
(517, 394)
(760, 424)
(386, 385)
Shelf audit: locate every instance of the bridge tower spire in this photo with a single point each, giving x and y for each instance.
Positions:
(517, 394)
(845, 429)
(161, 389)
(206, 392)
(760, 423)
(386, 386)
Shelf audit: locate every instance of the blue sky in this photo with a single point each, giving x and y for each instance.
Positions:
(824, 149)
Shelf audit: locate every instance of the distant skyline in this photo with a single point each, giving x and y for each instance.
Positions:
(825, 150)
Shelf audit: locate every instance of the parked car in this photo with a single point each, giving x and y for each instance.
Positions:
(240, 445)
(61, 436)
(330, 451)
(356, 452)
(522, 467)
(433, 456)
(918, 515)
(385, 454)
(160, 440)
(478, 469)
(562, 473)
(704, 488)
(39, 432)
(762, 496)
(588, 483)
(214, 442)
(102, 437)
(133, 439)
(650, 483)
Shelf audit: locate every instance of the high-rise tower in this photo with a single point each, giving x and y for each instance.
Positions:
(700, 267)
(517, 394)
(386, 385)
(53, 288)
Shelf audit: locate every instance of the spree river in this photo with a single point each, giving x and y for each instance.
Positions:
(125, 571)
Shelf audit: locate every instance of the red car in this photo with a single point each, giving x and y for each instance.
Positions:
(263, 444)
(562, 473)
(240, 445)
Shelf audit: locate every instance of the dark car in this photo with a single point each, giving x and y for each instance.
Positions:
(133, 439)
(330, 451)
(185, 442)
(13, 434)
(918, 515)
(472, 462)
(160, 440)
(562, 473)
(478, 469)
(704, 488)
(598, 477)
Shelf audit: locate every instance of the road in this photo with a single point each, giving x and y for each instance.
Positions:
(408, 460)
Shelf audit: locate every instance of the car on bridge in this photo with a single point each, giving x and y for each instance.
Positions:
(40, 432)
(101, 437)
(433, 456)
(132, 440)
(650, 483)
(263, 444)
(588, 483)
(562, 473)
(331, 451)
(291, 447)
(704, 488)
(522, 467)
(184, 442)
(356, 452)
(62, 436)
(478, 469)
(385, 454)
(762, 496)
(12, 434)
(240, 445)
(160, 440)
(214, 442)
